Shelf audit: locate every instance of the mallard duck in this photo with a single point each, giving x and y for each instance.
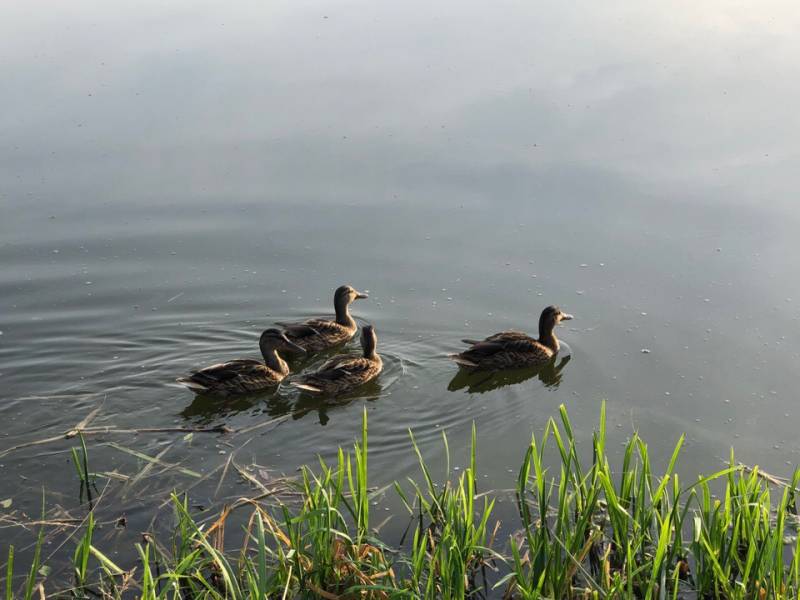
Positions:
(514, 349)
(316, 335)
(245, 375)
(344, 373)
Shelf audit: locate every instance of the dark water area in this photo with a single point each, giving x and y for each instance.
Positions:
(174, 179)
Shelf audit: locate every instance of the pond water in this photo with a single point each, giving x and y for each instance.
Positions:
(173, 179)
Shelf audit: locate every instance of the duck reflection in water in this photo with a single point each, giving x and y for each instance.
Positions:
(206, 409)
(479, 382)
(323, 407)
(210, 409)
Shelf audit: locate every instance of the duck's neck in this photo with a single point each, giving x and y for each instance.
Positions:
(273, 360)
(369, 351)
(547, 337)
(343, 315)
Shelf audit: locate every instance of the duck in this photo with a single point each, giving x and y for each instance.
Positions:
(245, 375)
(316, 335)
(515, 349)
(345, 373)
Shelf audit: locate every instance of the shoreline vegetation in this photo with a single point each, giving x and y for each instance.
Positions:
(582, 531)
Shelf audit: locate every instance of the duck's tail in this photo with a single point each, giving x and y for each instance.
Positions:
(192, 384)
(460, 360)
(306, 386)
(471, 342)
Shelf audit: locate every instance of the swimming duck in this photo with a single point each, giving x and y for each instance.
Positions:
(316, 335)
(514, 349)
(245, 375)
(344, 373)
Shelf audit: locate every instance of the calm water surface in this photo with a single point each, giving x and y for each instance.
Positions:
(174, 179)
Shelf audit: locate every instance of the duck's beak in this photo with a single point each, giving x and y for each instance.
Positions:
(361, 295)
(566, 317)
(290, 345)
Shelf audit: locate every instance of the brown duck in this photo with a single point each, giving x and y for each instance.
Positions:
(514, 349)
(344, 373)
(245, 375)
(316, 335)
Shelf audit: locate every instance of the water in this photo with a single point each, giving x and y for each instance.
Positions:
(174, 179)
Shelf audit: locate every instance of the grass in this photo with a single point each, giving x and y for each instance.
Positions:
(584, 531)
(80, 459)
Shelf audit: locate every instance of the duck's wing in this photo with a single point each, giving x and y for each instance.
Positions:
(226, 371)
(504, 336)
(335, 370)
(323, 325)
(481, 350)
(506, 342)
(336, 362)
(298, 330)
(509, 337)
(310, 328)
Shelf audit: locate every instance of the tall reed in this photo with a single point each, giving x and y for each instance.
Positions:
(584, 531)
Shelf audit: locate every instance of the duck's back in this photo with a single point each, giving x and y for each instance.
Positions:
(233, 377)
(320, 334)
(342, 374)
(505, 350)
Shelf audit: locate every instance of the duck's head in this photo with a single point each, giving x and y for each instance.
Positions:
(345, 295)
(552, 316)
(369, 340)
(275, 339)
